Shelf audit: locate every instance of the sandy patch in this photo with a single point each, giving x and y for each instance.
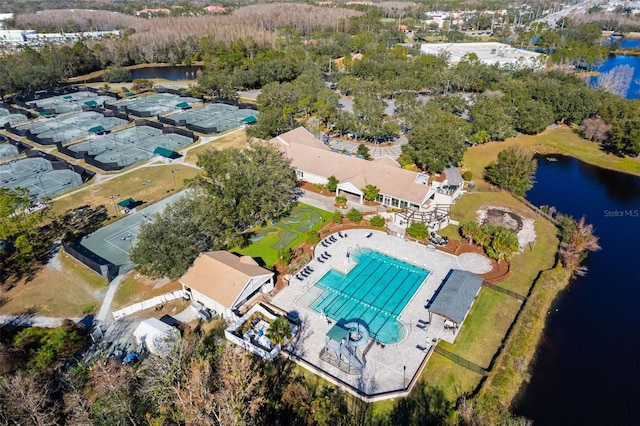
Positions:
(502, 216)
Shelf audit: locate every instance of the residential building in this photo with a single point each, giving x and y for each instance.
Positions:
(224, 282)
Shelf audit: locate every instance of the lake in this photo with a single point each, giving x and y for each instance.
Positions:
(633, 61)
(587, 370)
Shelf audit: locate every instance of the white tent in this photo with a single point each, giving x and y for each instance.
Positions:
(158, 337)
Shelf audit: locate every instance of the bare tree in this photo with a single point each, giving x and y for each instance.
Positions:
(616, 81)
(25, 400)
(241, 393)
(595, 129)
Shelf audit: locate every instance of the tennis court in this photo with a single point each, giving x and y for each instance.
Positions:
(158, 103)
(129, 146)
(7, 117)
(69, 127)
(114, 241)
(7, 150)
(69, 102)
(38, 176)
(214, 118)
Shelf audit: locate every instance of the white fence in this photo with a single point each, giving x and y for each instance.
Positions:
(147, 304)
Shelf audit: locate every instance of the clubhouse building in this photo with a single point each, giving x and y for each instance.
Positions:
(413, 193)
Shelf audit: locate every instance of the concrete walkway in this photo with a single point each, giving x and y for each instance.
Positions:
(327, 203)
(105, 315)
(29, 321)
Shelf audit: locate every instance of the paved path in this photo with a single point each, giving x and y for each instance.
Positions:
(29, 321)
(327, 203)
(104, 314)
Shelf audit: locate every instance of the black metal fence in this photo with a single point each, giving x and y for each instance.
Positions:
(504, 291)
(460, 361)
(94, 262)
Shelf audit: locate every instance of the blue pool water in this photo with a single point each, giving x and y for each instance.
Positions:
(374, 292)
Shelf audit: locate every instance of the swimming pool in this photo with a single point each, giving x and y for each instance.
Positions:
(374, 292)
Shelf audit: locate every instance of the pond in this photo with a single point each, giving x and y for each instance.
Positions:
(587, 368)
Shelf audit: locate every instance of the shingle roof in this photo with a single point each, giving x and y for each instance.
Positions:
(453, 176)
(308, 154)
(221, 275)
(458, 292)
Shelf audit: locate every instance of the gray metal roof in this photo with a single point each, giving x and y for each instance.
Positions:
(453, 176)
(456, 295)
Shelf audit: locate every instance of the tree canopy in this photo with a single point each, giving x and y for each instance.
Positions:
(513, 171)
(237, 190)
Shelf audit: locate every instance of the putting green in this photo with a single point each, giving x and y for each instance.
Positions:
(286, 238)
(263, 232)
(315, 218)
(296, 218)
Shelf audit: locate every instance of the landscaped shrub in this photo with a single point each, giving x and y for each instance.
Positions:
(418, 230)
(377, 221)
(313, 237)
(285, 255)
(332, 183)
(337, 217)
(354, 215)
(320, 187)
(468, 175)
(340, 200)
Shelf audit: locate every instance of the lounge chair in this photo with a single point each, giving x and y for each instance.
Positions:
(421, 321)
(340, 235)
(298, 277)
(369, 234)
(320, 260)
(323, 244)
(333, 238)
(422, 326)
(422, 348)
(303, 274)
(310, 268)
(323, 256)
(327, 254)
(328, 241)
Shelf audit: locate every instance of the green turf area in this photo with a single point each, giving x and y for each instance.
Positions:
(287, 232)
(286, 238)
(311, 222)
(296, 218)
(263, 232)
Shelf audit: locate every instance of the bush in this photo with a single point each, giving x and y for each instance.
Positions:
(418, 230)
(377, 221)
(354, 215)
(313, 237)
(337, 217)
(332, 183)
(340, 200)
(468, 175)
(285, 255)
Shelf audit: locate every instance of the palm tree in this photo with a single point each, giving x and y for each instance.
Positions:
(279, 330)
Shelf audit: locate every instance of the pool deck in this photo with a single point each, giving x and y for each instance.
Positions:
(384, 371)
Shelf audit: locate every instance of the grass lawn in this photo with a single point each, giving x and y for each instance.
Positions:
(453, 379)
(485, 327)
(285, 233)
(561, 140)
(73, 291)
(136, 288)
(231, 139)
(128, 185)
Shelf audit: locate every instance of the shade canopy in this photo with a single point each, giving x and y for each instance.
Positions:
(337, 333)
(183, 105)
(96, 129)
(67, 97)
(126, 203)
(249, 120)
(91, 103)
(165, 152)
